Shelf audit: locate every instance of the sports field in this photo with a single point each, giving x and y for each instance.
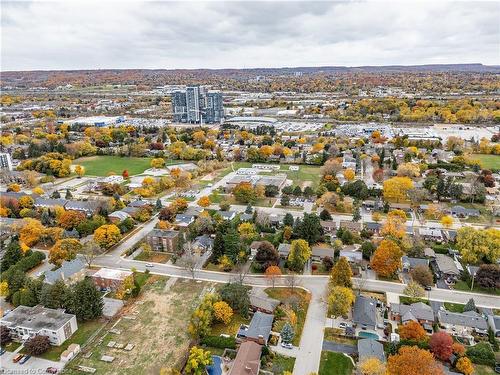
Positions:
(103, 165)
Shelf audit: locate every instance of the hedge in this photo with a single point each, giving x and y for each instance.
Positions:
(219, 342)
(481, 354)
(25, 264)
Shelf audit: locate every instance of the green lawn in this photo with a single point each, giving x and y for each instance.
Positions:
(331, 334)
(84, 332)
(488, 161)
(463, 286)
(278, 364)
(335, 364)
(102, 165)
(286, 295)
(483, 370)
(454, 307)
(305, 173)
(230, 329)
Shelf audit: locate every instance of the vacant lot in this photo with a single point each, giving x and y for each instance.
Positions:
(156, 324)
(489, 161)
(102, 165)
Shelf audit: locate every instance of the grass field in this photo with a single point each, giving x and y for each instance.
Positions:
(488, 161)
(156, 324)
(102, 165)
(335, 364)
(463, 286)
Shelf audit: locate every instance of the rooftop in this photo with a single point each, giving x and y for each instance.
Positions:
(36, 318)
(108, 273)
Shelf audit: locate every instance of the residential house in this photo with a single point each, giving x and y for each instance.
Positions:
(429, 253)
(373, 227)
(163, 240)
(370, 348)
(118, 216)
(247, 360)
(254, 247)
(110, 279)
(89, 208)
(48, 203)
(284, 250)
(184, 221)
(409, 263)
(25, 322)
(364, 312)
(494, 323)
(352, 253)
(203, 243)
(329, 226)
(445, 267)
(463, 324)
(431, 234)
(226, 215)
(260, 301)
(258, 330)
(419, 312)
(351, 225)
(318, 253)
(70, 272)
(462, 212)
(139, 204)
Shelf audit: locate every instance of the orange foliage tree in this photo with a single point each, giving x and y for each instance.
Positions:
(441, 345)
(387, 258)
(412, 331)
(70, 219)
(272, 272)
(412, 360)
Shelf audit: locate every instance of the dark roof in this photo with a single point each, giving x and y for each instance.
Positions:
(36, 318)
(467, 319)
(260, 326)
(365, 311)
(66, 270)
(368, 348)
(247, 361)
(163, 233)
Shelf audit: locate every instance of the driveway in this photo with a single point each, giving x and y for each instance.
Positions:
(339, 348)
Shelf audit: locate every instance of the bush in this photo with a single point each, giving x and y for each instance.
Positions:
(219, 342)
(37, 345)
(481, 354)
(25, 264)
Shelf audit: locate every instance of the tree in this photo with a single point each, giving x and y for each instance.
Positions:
(237, 296)
(340, 301)
(158, 205)
(157, 163)
(201, 319)
(470, 305)
(84, 300)
(79, 170)
(387, 258)
(272, 272)
(12, 255)
(244, 193)
(198, 360)
(37, 345)
(422, 275)
(367, 249)
(412, 360)
(288, 220)
(488, 276)
(107, 235)
(247, 231)
(54, 295)
(372, 366)
(309, 229)
(68, 194)
(481, 353)
(412, 330)
(271, 191)
(464, 365)
(65, 249)
(414, 290)
(204, 201)
(70, 219)
(441, 345)
(287, 333)
(223, 312)
(396, 188)
(300, 252)
(446, 221)
(232, 244)
(31, 231)
(349, 174)
(476, 245)
(266, 256)
(26, 202)
(325, 215)
(125, 174)
(5, 336)
(458, 349)
(341, 273)
(356, 215)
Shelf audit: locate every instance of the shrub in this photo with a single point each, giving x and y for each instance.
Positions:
(37, 345)
(481, 354)
(219, 342)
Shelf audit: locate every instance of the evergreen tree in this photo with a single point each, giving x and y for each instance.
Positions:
(325, 215)
(470, 305)
(441, 189)
(287, 333)
(218, 247)
(356, 215)
(297, 191)
(45, 218)
(285, 200)
(288, 219)
(249, 209)
(55, 195)
(68, 194)
(54, 296)
(12, 255)
(158, 205)
(85, 301)
(310, 229)
(232, 244)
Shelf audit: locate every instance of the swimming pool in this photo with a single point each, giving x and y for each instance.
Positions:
(368, 335)
(216, 367)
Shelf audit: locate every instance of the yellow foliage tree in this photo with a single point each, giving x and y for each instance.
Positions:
(31, 231)
(349, 174)
(4, 288)
(464, 365)
(107, 235)
(157, 163)
(14, 187)
(247, 230)
(223, 312)
(372, 366)
(38, 190)
(396, 188)
(80, 170)
(447, 221)
(204, 201)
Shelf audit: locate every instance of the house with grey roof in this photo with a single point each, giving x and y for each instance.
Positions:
(258, 330)
(364, 312)
(69, 272)
(320, 252)
(418, 312)
(462, 324)
(182, 220)
(260, 301)
(49, 203)
(460, 211)
(445, 267)
(284, 250)
(25, 322)
(409, 263)
(118, 216)
(163, 239)
(494, 323)
(369, 348)
(89, 208)
(226, 215)
(203, 243)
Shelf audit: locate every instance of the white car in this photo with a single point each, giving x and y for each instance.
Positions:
(287, 345)
(149, 265)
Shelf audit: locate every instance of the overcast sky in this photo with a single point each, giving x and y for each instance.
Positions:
(132, 34)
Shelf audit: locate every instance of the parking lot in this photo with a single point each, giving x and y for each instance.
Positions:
(32, 366)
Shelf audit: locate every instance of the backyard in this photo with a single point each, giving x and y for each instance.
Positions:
(156, 324)
(335, 364)
(488, 161)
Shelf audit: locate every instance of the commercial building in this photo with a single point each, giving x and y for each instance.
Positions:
(163, 240)
(197, 105)
(110, 279)
(25, 322)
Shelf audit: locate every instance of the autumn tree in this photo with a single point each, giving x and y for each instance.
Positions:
(422, 275)
(31, 231)
(266, 256)
(157, 163)
(412, 330)
(341, 273)
(464, 365)
(476, 245)
(70, 219)
(414, 290)
(372, 366)
(340, 300)
(107, 235)
(396, 188)
(223, 312)
(349, 174)
(204, 201)
(37, 345)
(65, 249)
(300, 252)
(446, 221)
(247, 231)
(244, 193)
(79, 170)
(441, 344)
(198, 360)
(387, 258)
(272, 272)
(412, 360)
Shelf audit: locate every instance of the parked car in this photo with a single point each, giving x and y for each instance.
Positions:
(287, 345)
(24, 359)
(428, 288)
(51, 370)
(149, 265)
(342, 325)
(2, 351)
(17, 358)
